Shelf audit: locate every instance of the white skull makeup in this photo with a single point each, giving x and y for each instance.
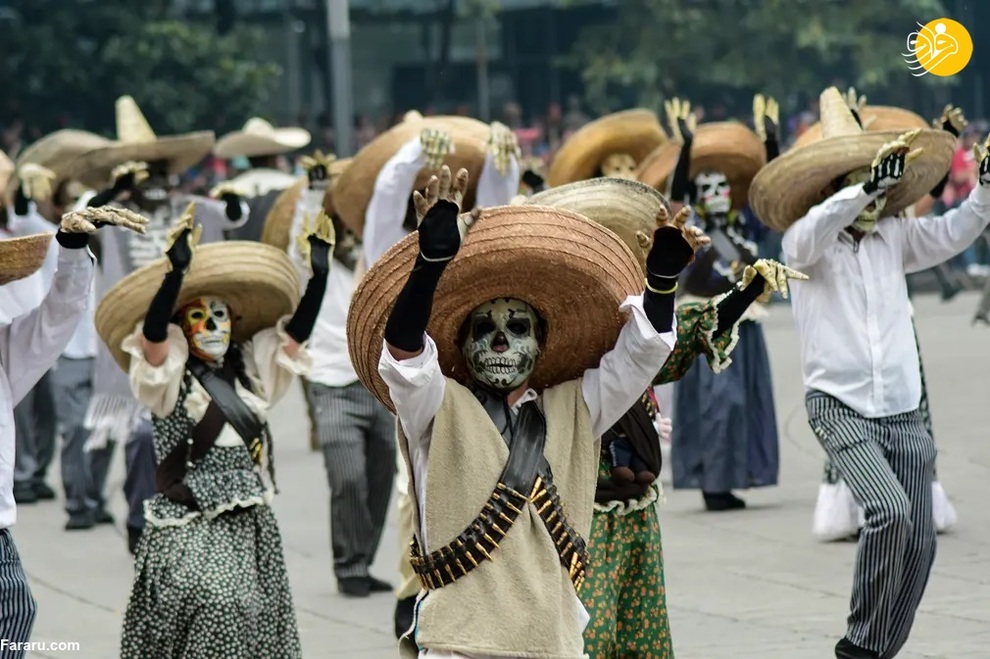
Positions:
(867, 220)
(206, 324)
(501, 346)
(619, 165)
(713, 192)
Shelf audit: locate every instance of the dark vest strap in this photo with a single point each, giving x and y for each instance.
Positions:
(236, 412)
(171, 471)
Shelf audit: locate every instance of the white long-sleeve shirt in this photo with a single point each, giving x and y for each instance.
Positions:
(29, 346)
(853, 314)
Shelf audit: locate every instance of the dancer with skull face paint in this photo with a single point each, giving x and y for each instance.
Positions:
(455, 425)
(859, 357)
(209, 353)
(734, 445)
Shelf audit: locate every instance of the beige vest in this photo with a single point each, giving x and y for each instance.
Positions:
(522, 603)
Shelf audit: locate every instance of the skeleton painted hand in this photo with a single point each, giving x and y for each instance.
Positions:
(129, 175)
(766, 117)
(316, 242)
(680, 120)
(317, 168)
(983, 157)
(855, 102)
(674, 243)
(952, 120)
(441, 230)
(665, 428)
(888, 166)
(503, 146)
(88, 220)
(775, 276)
(437, 145)
(36, 181)
(183, 236)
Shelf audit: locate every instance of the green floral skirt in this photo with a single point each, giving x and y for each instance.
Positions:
(624, 592)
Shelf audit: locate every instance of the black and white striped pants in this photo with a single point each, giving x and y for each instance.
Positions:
(17, 606)
(357, 437)
(888, 464)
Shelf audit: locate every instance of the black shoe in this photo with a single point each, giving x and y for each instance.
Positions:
(133, 536)
(354, 586)
(981, 318)
(950, 291)
(379, 586)
(719, 501)
(80, 521)
(43, 492)
(845, 649)
(405, 609)
(101, 516)
(24, 494)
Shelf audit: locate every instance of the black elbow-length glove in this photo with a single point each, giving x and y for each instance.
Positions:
(319, 243)
(674, 245)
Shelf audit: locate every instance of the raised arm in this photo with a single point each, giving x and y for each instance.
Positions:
(766, 119)
(499, 180)
(124, 179)
(315, 244)
(682, 124)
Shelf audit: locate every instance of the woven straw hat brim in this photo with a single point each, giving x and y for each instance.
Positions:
(21, 257)
(258, 282)
(248, 145)
(878, 118)
(574, 272)
(728, 147)
(352, 191)
(180, 151)
(54, 151)
(786, 189)
(634, 132)
(278, 223)
(624, 207)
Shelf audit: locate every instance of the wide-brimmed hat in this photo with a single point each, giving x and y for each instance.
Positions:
(728, 147)
(784, 190)
(278, 222)
(55, 152)
(258, 282)
(261, 181)
(136, 141)
(574, 272)
(353, 189)
(21, 257)
(875, 118)
(626, 208)
(260, 138)
(633, 132)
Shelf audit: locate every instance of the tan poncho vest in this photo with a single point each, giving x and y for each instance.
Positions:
(522, 603)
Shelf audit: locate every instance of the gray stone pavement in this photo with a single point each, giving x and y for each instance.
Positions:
(747, 584)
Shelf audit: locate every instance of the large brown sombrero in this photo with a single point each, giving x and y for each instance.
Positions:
(260, 138)
(137, 141)
(626, 208)
(634, 132)
(784, 190)
(556, 260)
(876, 118)
(257, 281)
(728, 147)
(21, 257)
(54, 152)
(278, 223)
(352, 191)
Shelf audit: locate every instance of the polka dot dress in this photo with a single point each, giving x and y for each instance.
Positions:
(205, 586)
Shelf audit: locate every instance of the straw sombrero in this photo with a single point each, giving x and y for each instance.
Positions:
(136, 141)
(634, 132)
(21, 257)
(876, 118)
(556, 260)
(260, 138)
(54, 151)
(784, 190)
(624, 207)
(278, 222)
(352, 191)
(721, 146)
(257, 281)
(260, 181)
(6, 169)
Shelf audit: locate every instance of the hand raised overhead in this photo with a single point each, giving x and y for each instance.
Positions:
(441, 226)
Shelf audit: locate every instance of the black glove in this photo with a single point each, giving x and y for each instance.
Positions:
(439, 236)
(939, 188)
(771, 144)
(668, 256)
(887, 173)
(300, 326)
(533, 181)
(318, 177)
(734, 305)
(21, 202)
(180, 253)
(233, 208)
(682, 187)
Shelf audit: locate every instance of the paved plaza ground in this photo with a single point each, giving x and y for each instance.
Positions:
(740, 585)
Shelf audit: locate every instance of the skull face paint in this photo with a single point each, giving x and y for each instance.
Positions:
(206, 323)
(619, 165)
(501, 346)
(714, 192)
(867, 220)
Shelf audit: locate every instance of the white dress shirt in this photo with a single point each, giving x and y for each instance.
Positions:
(328, 343)
(853, 314)
(417, 385)
(29, 346)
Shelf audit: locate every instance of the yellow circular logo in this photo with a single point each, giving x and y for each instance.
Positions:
(941, 47)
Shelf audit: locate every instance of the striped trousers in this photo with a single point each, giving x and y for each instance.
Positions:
(888, 464)
(17, 606)
(357, 438)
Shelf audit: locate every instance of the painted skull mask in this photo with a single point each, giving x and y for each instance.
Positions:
(206, 323)
(619, 165)
(867, 220)
(714, 192)
(501, 344)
